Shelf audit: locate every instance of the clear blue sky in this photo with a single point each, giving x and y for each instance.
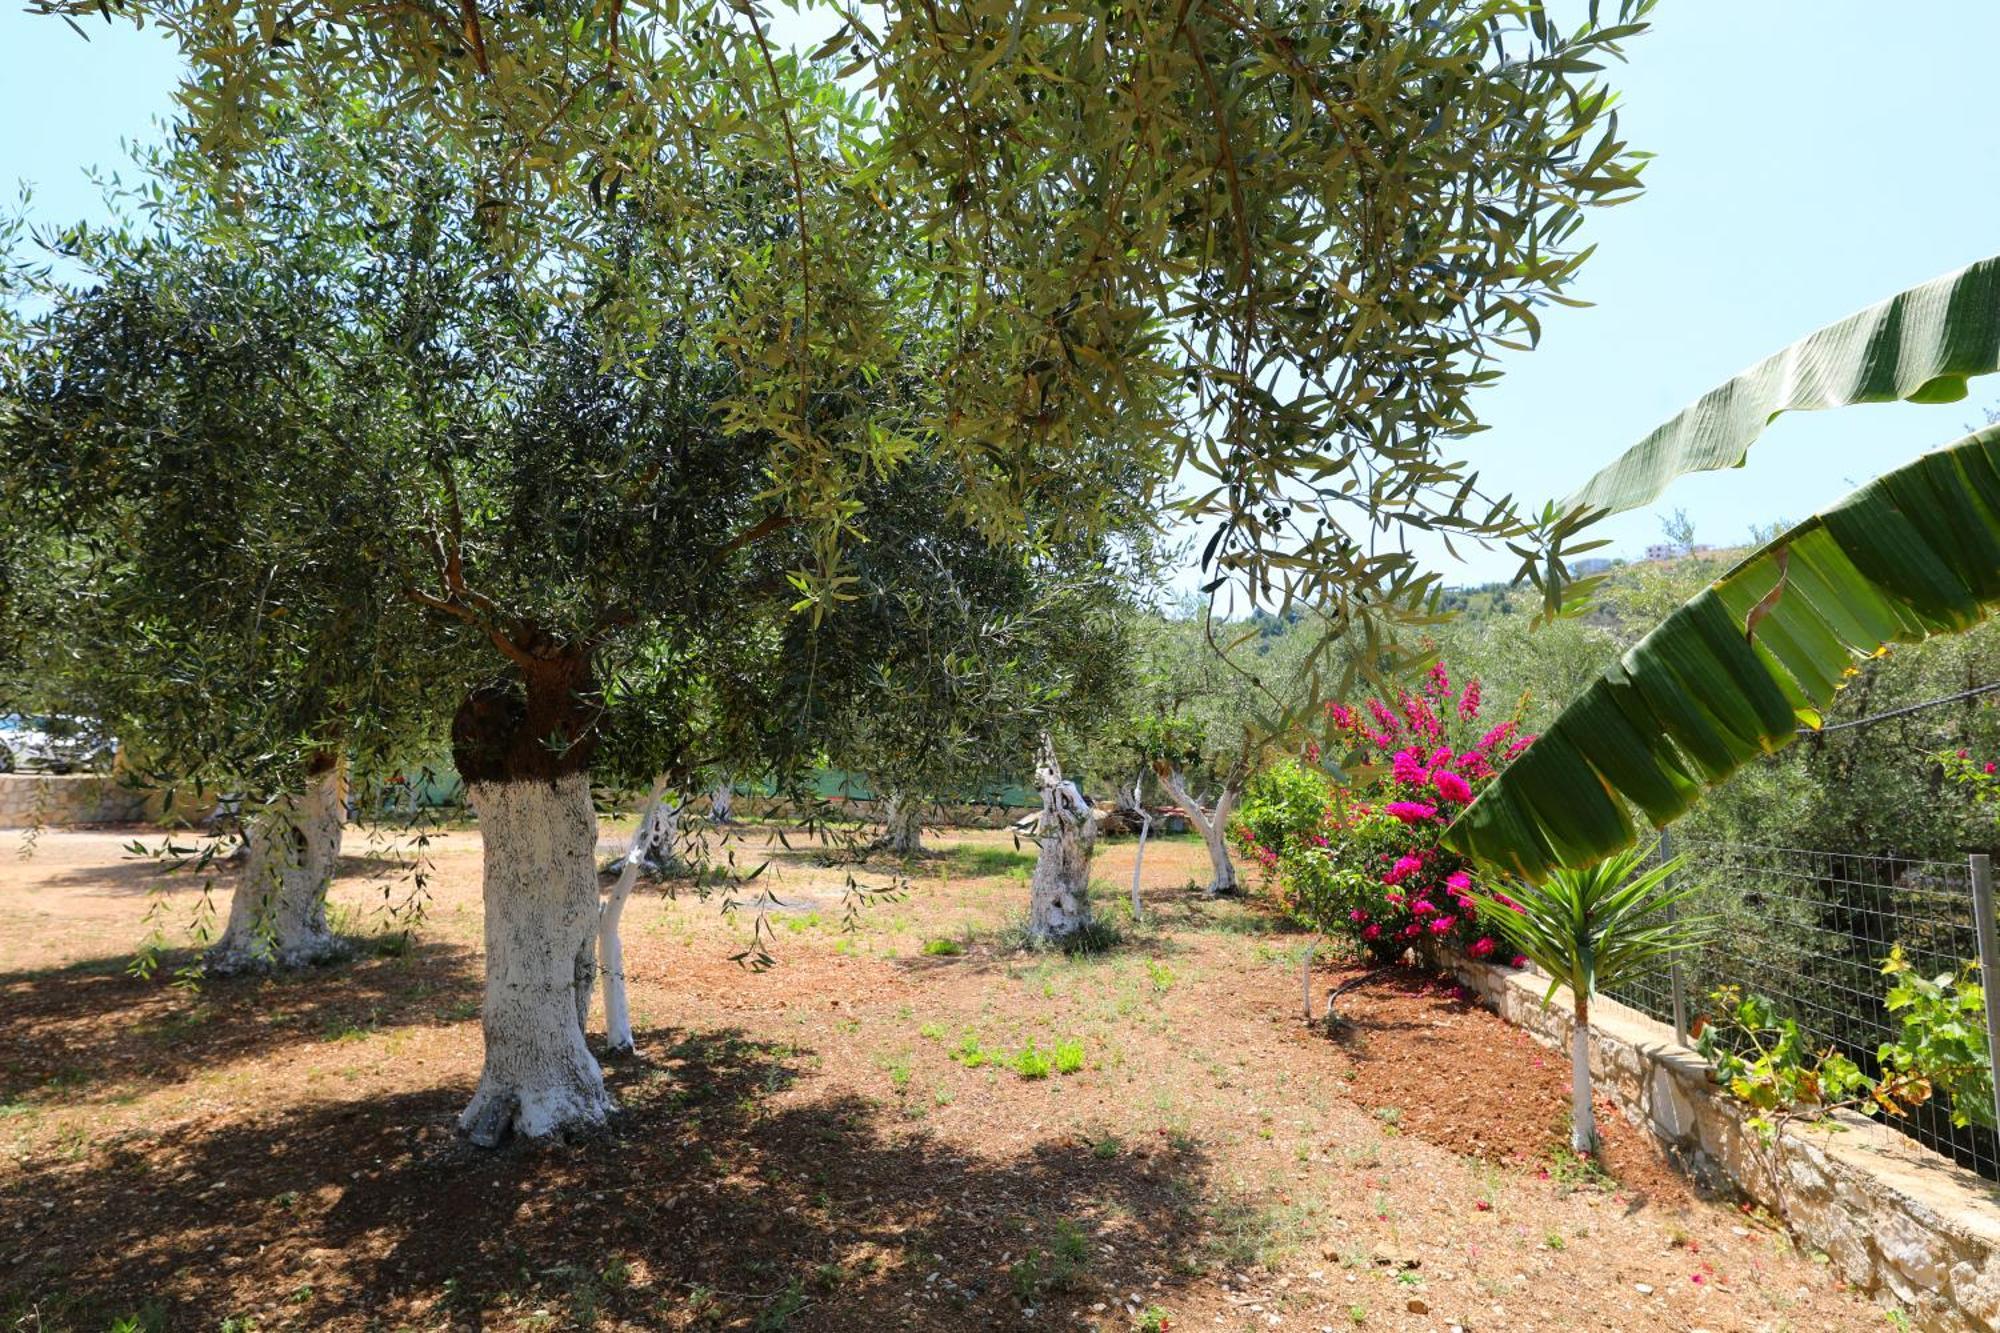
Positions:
(1813, 157)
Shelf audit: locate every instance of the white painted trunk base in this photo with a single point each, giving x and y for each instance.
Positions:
(1135, 808)
(1213, 825)
(277, 916)
(1583, 1124)
(903, 821)
(658, 822)
(1059, 903)
(540, 888)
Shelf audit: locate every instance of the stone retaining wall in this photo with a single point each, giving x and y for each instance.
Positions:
(28, 800)
(1899, 1222)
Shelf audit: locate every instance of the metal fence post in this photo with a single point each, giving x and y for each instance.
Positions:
(1989, 965)
(1674, 978)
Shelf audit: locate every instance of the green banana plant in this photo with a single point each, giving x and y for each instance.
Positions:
(1748, 661)
(1588, 930)
(1919, 346)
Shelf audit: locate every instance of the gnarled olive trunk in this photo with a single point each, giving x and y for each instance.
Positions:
(1059, 905)
(524, 754)
(1135, 809)
(903, 824)
(657, 822)
(540, 888)
(1212, 824)
(277, 915)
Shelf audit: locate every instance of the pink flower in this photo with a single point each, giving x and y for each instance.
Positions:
(1442, 925)
(1408, 766)
(1422, 907)
(1992, 768)
(1451, 786)
(1459, 881)
(1468, 707)
(1481, 946)
(1422, 720)
(1342, 715)
(1410, 931)
(1357, 915)
(1372, 933)
(1520, 960)
(1411, 812)
(1440, 682)
(1965, 754)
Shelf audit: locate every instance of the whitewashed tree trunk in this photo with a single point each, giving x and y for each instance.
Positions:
(1137, 808)
(277, 916)
(1583, 1122)
(1059, 905)
(541, 914)
(656, 820)
(903, 825)
(722, 801)
(1213, 825)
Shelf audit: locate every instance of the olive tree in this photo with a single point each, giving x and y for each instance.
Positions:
(561, 523)
(230, 634)
(1205, 715)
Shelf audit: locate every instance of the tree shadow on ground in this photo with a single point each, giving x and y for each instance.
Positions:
(725, 1195)
(95, 1027)
(141, 875)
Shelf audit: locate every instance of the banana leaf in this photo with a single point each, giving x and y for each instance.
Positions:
(1749, 660)
(1918, 346)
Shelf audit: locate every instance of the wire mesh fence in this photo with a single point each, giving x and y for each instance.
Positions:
(1809, 931)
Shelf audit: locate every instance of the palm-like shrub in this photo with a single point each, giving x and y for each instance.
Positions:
(1588, 929)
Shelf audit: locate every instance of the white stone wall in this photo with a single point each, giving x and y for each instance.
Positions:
(31, 799)
(1897, 1221)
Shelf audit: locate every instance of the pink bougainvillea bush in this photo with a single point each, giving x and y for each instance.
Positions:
(1364, 862)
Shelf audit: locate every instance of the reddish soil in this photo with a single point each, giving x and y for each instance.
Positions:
(1512, 1108)
(840, 1143)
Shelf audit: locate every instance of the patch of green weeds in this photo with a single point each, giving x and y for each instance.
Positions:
(969, 1052)
(1058, 1268)
(1029, 1062)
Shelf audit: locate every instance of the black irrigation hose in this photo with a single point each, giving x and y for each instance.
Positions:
(1904, 711)
(1352, 983)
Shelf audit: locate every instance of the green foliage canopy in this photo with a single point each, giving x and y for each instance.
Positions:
(1306, 228)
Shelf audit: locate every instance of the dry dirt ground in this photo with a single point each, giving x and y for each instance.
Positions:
(848, 1141)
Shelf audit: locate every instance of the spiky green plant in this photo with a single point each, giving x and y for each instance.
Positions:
(1592, 928)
